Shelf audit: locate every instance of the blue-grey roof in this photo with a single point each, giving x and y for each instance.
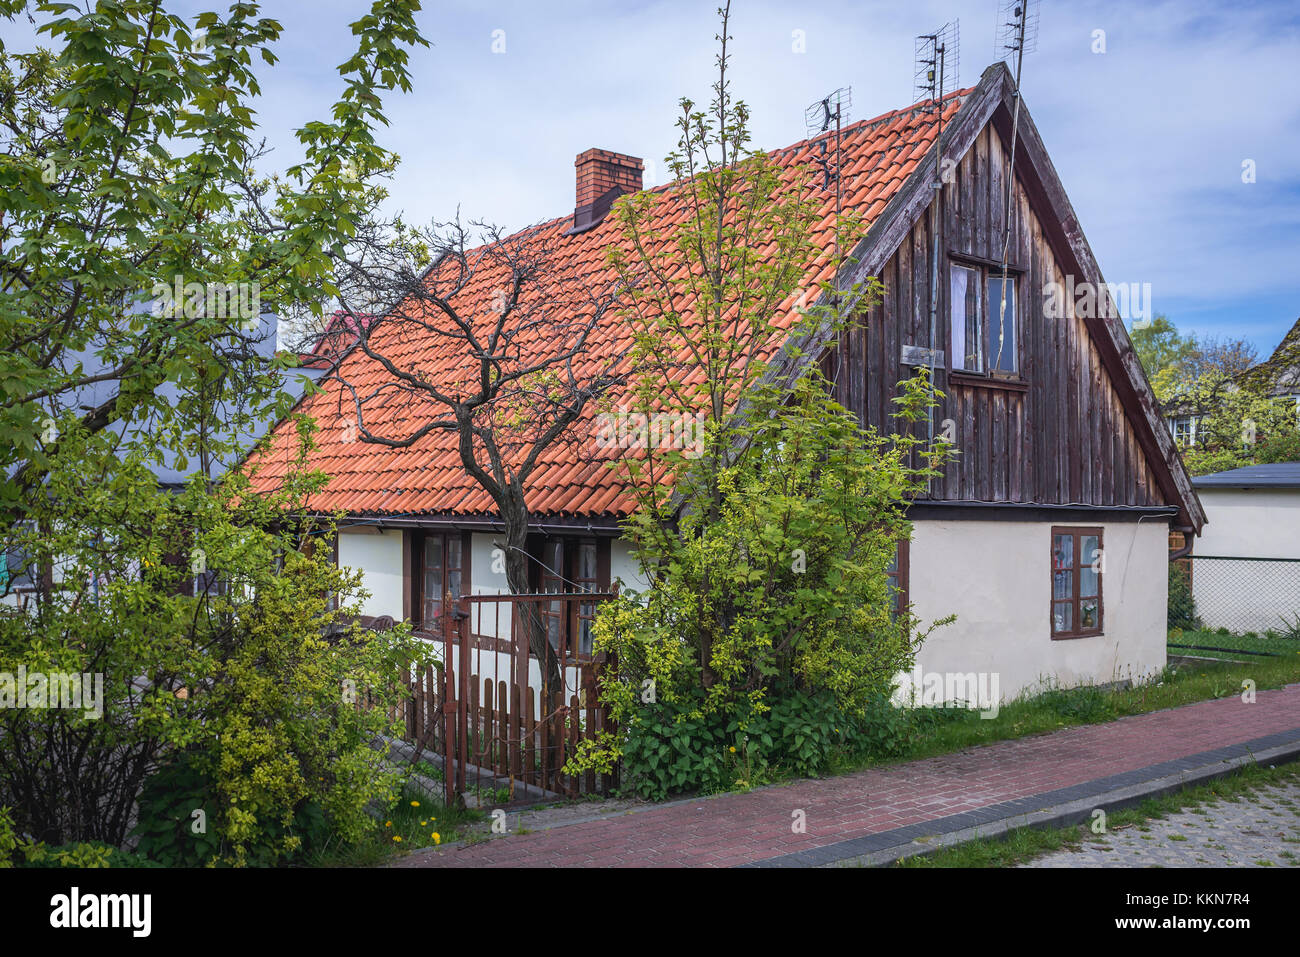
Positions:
(262, 339)
(1278, 475)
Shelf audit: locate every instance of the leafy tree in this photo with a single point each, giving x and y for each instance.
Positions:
(1160, 346)
(237, 674)
(128, 168)
(767, 544)
(1220, 383)
(516, 375)
(711, 273)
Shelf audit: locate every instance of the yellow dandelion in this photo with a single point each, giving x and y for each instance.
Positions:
(437, 838)
(397, 839)
(388, 824)
(424, 824)
(415, 804)
(732, 749)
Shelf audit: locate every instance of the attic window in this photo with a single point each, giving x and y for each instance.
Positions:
(983, 326)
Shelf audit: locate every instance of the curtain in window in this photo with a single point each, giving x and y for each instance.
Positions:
(964, 297)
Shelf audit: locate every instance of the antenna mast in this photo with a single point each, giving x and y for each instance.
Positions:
(818, 118)
(1017, 34)
(937, 65)
(832, 108)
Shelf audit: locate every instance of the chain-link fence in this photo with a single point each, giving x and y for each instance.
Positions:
(1243, 595)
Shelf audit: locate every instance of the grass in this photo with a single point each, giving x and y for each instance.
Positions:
(416, 820)
(1222, 638)
(1025, 844)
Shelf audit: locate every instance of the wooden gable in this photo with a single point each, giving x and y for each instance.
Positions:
(1077, 424)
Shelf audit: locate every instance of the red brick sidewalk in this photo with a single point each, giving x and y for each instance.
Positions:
(735, 829)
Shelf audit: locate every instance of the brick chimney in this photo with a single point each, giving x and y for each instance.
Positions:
(602, 178)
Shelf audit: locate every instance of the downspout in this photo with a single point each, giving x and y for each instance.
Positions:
(1188, 537)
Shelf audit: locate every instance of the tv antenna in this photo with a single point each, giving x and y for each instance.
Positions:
(937, 67)
(1017, 32)
(937, 64)
(831, 110)
(1017, 35)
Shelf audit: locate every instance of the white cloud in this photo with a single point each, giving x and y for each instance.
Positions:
(1149, 137)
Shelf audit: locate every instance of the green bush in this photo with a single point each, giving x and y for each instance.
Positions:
(18, 851)
(886, 731)
(774, 617)
(250, 676)
(1182, 607)
(667, 748)
(171, 833)
(674, 747)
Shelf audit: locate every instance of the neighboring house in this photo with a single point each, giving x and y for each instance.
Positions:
(1280, 374)
(1253, 514)
(1184, 428)
(1048, 535)
(18, 580)
(1283, 369)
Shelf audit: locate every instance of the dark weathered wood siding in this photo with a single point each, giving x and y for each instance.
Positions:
(1059, 436)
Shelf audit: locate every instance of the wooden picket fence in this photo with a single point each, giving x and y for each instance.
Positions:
(503, 722)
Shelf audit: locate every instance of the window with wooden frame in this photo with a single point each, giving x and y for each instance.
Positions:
(552, 582)
(984, 334)
(440, 567)
(1076, 582)
(573, 565)
(898, 573)
(587, 579)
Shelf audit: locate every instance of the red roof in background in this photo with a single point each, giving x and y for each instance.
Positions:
(427, 478)
(339, 336)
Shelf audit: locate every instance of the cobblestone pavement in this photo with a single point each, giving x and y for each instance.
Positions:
(1261, 828)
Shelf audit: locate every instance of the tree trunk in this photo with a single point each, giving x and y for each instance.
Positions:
(533, 627)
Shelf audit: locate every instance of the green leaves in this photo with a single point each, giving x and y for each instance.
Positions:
(135, 139)
(128, 170)
(772, 617)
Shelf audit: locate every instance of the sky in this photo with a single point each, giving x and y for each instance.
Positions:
(1154, 124)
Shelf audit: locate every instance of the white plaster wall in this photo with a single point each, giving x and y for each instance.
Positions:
(378, 556)
(1248, 523)
(1256, 523)
(996, 577)
(624, 567)
(484, 578)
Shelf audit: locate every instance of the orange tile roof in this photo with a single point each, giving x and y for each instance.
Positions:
(427, 478)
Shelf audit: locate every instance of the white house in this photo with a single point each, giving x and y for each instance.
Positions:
(1047, 537)
(1246, 570)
